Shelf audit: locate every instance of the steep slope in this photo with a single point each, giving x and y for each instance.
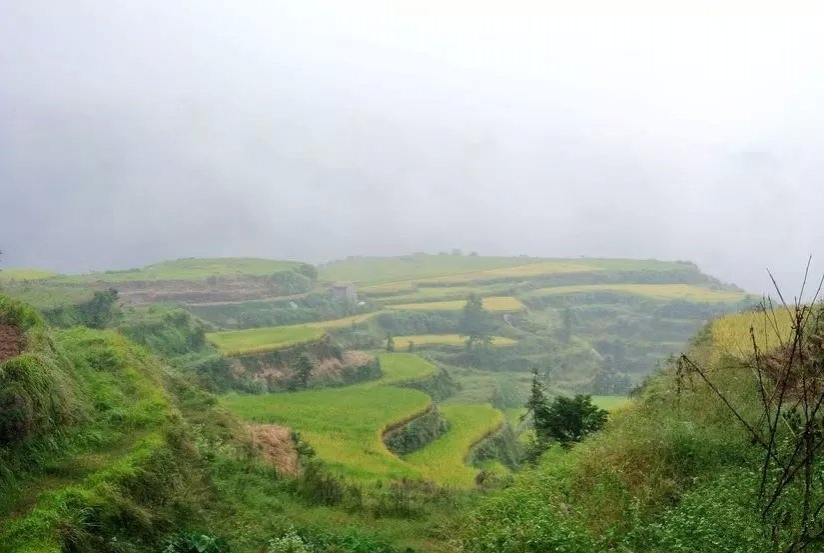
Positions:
(675, 473)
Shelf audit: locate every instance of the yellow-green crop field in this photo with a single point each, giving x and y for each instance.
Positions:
(522, 271)
(612, 403)
(270, 338)
(657, 291)
(260, 340)
(344, 322)
(190, 269)
(509, 273)
(24, 274)
(345, 425)
(445, 340)
(367, 271)
(500, 303)
(401, 367)
(444, 460)
(731, 333)
(430, 293)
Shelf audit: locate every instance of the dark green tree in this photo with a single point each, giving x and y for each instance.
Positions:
(410, 346)
(475, 324)
(537, 411)
(570, 420)
(567, 324)
(390, 343)
(303, 371)
(100, 311)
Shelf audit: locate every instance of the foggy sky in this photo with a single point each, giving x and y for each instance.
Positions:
(132, 132)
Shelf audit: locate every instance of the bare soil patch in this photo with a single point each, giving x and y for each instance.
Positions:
(12, 342)
(275, 443)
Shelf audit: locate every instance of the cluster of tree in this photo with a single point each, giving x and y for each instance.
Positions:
(101, 311)
(405, 323)
(252, 314)
(475, 323)
(563, 420)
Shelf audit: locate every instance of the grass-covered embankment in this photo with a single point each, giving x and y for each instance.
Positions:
(93, 450)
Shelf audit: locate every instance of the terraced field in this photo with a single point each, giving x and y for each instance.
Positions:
(402, 274)
(345, 425)
(656, 291)
(7, 275)
(259, 340)
(443, 460)
(426, 293)
(370, 271)
(446, 340)
(495, 304)
(344, 322)
(190, 269)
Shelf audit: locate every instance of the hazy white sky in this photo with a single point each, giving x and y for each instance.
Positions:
(137, 131)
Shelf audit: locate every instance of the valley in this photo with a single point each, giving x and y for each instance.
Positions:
(404, 394)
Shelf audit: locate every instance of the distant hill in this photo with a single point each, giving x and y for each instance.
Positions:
(182, 280)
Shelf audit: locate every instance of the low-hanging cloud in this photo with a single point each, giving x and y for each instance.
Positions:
(134, 132)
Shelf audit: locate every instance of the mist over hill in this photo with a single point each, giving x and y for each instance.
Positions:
(314, 132)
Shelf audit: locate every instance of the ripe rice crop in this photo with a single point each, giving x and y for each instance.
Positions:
(259, 340)
(444, 460)
(500, 304)
(345, 425)
(656, 291)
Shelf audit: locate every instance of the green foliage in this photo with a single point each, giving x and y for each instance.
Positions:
(344, 425)
(406, 323)
(390, 343)
(168, 333)
(291, 542)
(274, 312)
(416, 433)
(109, 477)
(101, 311)
(291, 282)
(303, 371)
(570, 420)
(475, 325)
(439, 386)
(502, 446)
(187, 542)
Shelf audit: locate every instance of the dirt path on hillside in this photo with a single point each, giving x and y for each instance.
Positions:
(12, 342)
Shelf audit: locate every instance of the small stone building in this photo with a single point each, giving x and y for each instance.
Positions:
(344, 291)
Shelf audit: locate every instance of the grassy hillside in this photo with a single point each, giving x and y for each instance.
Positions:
(104, 449)
(24, 274)
(92, 446)
(675, 472)
(190, 269)
(377, 270)
(189, 280)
